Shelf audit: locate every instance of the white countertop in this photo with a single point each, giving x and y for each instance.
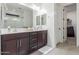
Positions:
(12, 31)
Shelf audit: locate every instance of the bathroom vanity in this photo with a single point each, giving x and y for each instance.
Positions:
(23, 43)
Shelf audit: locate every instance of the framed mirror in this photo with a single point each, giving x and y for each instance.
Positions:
(37, 20)
(43, 19)
(17, 16)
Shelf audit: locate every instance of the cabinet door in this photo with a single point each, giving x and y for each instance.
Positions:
(44, 37)
(23, 46)
(40, 40)
(33, 41)
(33, 44)
(9, 47)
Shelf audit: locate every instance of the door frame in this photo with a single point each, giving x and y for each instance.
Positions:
(66, 20)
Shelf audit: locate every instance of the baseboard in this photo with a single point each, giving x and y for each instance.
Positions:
(59, 43)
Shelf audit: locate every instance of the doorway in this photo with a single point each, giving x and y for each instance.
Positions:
(65, 28)
(69, 24)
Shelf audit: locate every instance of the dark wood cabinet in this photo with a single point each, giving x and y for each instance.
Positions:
(15, 44)
(42, 38)
(23, 46)
(23, 43)
(33, 41)
(9, 47)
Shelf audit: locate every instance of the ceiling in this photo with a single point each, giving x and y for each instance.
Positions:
(65, 4)
(71, 7)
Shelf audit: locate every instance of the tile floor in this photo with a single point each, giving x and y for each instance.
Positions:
(66, 48)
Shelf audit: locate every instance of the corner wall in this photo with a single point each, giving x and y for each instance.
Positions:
(58, 22)
(49, 7)
(77, 24)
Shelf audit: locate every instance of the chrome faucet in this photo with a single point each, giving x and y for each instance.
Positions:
(9, 29)
(38, 28)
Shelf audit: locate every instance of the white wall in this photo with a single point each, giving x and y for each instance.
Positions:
(77, 24)
(0, 28)
(50, 24)
(58, 17)
(72, 16)
(0, 16)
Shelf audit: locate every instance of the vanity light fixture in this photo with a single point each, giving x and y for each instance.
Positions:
(35, 7)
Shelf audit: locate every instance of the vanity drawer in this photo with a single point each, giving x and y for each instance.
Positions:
(14, 36)
(20, 35)
(33, 33)
(32, 36)
(8, 36)
(33, 44)
(32, 39)
(33, 47)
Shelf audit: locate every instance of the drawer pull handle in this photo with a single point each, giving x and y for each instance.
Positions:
(34, 47)
(20, 43)
(34, 39)
(34, 33)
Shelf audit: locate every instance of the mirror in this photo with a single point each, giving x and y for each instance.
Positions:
(17, 16)
(37, 20)
(43, 19)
